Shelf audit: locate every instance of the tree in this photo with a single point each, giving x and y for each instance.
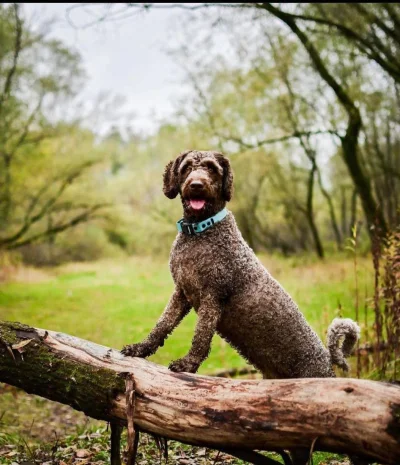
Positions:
(36, 75)
(350, 141)
(380, 150)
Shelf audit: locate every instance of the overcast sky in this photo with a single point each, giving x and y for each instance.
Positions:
(124, 57)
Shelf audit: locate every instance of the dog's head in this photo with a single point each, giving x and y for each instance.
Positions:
(203, 179)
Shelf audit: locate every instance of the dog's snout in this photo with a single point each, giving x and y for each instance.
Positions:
(196, 185)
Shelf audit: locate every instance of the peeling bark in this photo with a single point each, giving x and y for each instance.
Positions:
(341, 415)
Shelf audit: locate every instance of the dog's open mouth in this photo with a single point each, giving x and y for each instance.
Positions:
(197, 204)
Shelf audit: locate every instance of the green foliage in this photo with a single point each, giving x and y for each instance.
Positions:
(386, 305)
(50, 171)
(83, 243)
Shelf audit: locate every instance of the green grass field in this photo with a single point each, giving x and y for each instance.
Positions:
(118, 302)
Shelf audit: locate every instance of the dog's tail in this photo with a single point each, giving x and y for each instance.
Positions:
(343, 334)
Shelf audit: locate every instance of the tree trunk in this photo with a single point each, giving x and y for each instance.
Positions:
(5, 192)
(373, 211)
(310, 211)
(343, 415)
(343, 210)
(332, 214)
(353, 216)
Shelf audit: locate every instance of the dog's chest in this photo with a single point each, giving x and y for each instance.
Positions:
(200, 267)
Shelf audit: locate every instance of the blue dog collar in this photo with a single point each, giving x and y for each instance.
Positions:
(191, 229)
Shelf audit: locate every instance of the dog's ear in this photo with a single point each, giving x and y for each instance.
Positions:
(170, 187)
(227, 180)
(170, 177)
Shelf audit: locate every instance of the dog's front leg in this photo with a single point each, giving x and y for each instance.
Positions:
(208, 316)
(177, 308)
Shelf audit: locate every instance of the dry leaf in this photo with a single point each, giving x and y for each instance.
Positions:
(82, 453)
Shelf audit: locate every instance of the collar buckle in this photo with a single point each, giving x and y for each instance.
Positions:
(187, 228)
(194, 229)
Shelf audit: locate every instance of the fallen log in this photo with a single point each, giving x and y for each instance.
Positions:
(340, 415)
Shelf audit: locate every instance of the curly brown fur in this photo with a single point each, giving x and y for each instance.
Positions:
(219, 275)
(342, 329)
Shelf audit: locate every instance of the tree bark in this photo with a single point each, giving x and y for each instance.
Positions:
(342, 415)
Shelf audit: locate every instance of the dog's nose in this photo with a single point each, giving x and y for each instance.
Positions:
(196, 185)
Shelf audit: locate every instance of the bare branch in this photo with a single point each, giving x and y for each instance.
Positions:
(274, 140)
(393, 14)
(29, 220)
(81, 218)
(372, 18)
(25, 131)
(366, 46)
(122, 13)
(203, 98)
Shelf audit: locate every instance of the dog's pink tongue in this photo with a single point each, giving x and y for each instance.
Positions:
(197, 204)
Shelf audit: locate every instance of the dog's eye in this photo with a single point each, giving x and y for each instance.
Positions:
(211, 167)
(185, 169)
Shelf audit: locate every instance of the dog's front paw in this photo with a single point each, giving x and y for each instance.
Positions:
(136, 350)
(185, 364)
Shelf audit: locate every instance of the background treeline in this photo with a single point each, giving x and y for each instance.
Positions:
(303, 99)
